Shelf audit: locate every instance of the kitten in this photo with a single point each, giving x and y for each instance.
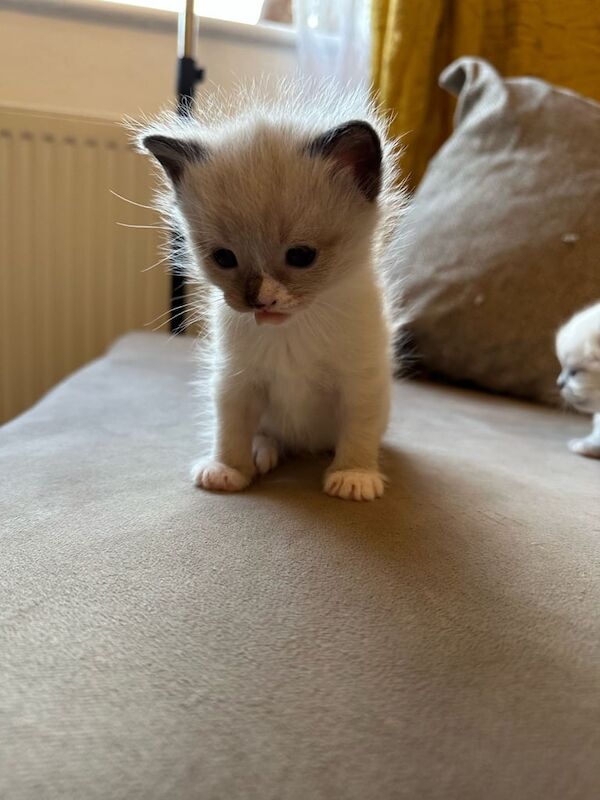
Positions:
(284, 205)
(578, 350)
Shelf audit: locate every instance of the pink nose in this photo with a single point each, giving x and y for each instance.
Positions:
(266, 304)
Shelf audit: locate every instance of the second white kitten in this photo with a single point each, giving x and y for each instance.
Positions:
(578, 350)
(284, 205)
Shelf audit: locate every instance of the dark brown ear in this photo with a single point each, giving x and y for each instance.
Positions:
(356, 146)
(174, 154)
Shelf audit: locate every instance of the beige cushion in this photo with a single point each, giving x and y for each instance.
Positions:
(160, 642)
(504, 232)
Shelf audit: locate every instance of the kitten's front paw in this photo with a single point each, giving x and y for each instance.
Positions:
(585, 447)
(266, 453)
(218, 477)
(354, 484)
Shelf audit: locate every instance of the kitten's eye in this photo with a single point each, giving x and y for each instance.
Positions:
(300, 256)
(225, 258)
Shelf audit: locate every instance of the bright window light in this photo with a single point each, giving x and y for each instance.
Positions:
(234, 10)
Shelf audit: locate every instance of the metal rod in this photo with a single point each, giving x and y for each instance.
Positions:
(187, 31)
(188, 75)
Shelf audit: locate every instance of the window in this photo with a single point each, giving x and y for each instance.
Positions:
(247, 11)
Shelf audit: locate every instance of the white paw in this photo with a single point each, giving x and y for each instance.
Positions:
(354, 484)
(585, 447)
(266, 454)
(219, 477)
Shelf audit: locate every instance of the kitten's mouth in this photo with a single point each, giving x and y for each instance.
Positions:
(270, 317)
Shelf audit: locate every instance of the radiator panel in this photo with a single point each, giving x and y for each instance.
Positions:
(71, 278)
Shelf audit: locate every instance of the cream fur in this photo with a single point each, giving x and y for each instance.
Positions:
(321, 380)
(578, 350)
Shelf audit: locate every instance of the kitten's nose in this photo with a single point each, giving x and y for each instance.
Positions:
(264, 292)
(562, 379)
(260, 306)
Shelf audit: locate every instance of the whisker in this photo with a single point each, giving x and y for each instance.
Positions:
(239, 372)
(133, 203)
(176, 333)
(157, 264)
(169, 313)
(148, 227)
(166, 322)
(164, 314)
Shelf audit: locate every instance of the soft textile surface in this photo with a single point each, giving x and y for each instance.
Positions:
(556, 40)
(160, 642)
(504, 233)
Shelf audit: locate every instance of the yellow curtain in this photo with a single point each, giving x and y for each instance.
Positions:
(413, 40)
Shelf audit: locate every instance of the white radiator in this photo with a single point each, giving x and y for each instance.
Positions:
(71, 278)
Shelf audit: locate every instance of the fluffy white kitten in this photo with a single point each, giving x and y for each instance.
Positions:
(284, 204)
(578, 350)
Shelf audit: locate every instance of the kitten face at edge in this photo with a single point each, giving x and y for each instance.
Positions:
(578, 350)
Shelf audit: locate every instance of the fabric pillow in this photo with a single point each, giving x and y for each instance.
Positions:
(503, 232)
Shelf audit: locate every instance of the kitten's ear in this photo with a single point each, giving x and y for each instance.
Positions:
(353, 146)
(174, 154)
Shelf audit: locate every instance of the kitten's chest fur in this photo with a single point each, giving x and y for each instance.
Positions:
(299, 379)
(303, 367)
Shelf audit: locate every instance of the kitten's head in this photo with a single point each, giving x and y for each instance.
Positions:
(578, 350)
(274, 216)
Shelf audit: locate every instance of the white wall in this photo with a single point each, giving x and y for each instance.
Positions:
(87, 57)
